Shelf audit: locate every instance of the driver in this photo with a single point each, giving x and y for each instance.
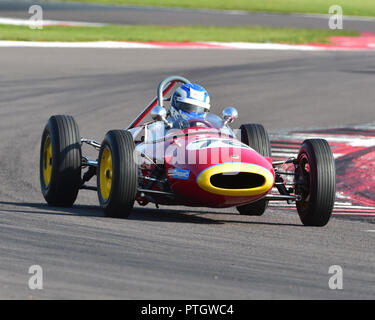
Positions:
(189, 101)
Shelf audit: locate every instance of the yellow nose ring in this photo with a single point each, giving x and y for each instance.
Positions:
(232, 171)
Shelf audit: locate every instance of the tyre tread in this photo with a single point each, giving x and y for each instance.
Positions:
(323, 183)
(66, 171)
(124, 184)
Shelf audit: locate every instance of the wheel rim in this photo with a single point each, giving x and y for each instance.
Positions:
(106, 173)
(47, 161)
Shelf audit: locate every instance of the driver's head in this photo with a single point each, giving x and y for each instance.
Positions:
(191, 98)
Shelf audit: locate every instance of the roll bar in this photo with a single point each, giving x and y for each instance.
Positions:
(165, 83)
(163, 89)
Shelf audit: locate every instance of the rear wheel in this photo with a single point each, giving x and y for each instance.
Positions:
(60, 161)
(117, 177)
(256, 137)
(315, 182)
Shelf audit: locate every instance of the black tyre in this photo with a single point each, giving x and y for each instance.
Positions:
(60, 161)
(256, 137)
(315, 182)
(117, 176)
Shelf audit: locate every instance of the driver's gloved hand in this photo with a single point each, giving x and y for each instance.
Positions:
(180, 123)
(183, 123)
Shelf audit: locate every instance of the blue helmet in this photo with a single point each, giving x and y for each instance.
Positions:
(191, 98)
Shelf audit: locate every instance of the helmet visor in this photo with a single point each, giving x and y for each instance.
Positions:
(188, 107)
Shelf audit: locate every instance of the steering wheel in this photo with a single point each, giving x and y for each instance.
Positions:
(195, 122)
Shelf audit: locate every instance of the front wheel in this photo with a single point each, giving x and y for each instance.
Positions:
(60, 161)
(315, 182)
(117, 176)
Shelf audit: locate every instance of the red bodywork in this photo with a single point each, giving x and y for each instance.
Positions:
(186, 190)
(171, 180)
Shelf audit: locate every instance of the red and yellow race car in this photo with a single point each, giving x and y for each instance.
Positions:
(188, 157)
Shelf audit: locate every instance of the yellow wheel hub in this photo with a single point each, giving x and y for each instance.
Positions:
(106, 173)
(47, 161)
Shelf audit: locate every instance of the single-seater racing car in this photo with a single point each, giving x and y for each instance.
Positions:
(185, 156)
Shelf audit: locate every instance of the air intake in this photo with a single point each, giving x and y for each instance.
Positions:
(240, 180)
(236, 179)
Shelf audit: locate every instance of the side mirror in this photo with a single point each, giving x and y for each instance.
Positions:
(229, 114)
(158, 113)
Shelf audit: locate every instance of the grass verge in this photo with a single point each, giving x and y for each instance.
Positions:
(171, 33)
(350, 7)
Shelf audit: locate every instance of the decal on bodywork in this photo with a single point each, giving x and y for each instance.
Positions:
(215, 143)
(181, 174)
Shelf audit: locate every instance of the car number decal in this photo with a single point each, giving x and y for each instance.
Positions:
(215, 143)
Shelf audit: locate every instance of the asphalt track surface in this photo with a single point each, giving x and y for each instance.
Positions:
(167, 16)
(174, 252)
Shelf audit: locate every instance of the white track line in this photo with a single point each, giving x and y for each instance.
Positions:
(133, 45)
(94, 45)
(31, 23)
